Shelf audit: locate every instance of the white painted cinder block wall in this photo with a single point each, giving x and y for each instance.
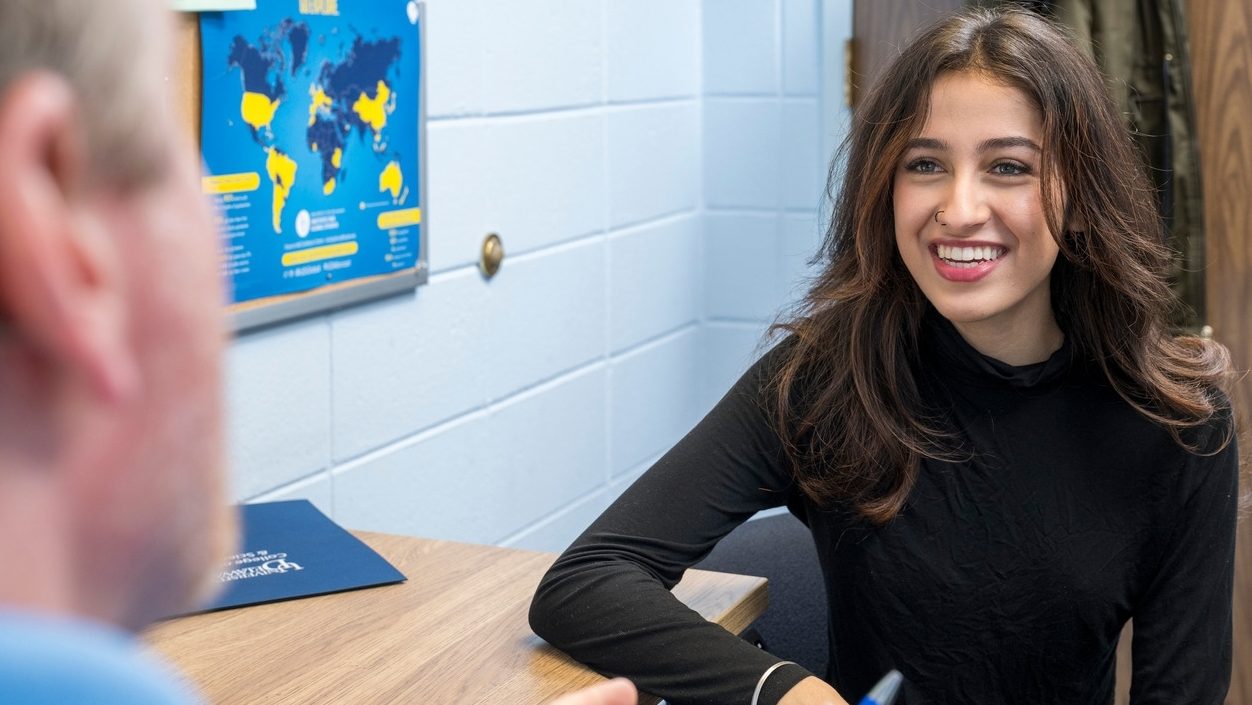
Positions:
(654, 169)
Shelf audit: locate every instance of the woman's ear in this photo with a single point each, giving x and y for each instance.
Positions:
(61, 290)
(1074, 222)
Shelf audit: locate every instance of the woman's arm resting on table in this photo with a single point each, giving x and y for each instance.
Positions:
(812, 691)
(606, 601)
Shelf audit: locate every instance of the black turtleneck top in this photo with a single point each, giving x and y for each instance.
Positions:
(1007, 577)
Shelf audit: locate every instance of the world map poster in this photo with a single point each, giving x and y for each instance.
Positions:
(310, 137)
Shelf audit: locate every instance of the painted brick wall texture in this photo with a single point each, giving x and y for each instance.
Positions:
(654, 168)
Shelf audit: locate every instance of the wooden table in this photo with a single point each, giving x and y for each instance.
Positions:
(455, 632)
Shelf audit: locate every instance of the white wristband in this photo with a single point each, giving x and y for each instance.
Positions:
(760, 685)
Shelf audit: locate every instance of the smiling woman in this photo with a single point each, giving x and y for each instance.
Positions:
(1001, 452)
(985, 265)
(997, 121)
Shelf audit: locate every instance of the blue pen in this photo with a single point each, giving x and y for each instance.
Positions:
(884, 693)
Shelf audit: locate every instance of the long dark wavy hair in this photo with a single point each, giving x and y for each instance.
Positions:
(845, 398)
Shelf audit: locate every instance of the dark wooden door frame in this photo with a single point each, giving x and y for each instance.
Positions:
(1221, 62)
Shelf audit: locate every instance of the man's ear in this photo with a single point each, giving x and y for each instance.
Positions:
(61, 289)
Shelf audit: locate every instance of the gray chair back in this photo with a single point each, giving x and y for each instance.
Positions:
(780, 549)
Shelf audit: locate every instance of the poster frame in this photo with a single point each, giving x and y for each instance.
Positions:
(265, 312)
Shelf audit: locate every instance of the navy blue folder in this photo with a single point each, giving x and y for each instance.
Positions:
(289, 550)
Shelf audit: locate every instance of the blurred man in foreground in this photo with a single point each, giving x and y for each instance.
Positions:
(618, 691)
(111, 504)
(112, 510)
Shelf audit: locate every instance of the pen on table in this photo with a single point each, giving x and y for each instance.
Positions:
(885, 691)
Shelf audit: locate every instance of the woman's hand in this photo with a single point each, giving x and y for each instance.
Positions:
(812, 691)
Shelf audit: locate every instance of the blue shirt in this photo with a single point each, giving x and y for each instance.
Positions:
(47, 660)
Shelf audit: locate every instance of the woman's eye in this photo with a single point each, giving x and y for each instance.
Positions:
(923, 166)
(1010, 169)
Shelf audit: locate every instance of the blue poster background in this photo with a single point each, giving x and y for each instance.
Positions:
(309, 134)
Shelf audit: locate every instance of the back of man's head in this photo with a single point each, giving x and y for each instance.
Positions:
(98, 48)
(110, 336)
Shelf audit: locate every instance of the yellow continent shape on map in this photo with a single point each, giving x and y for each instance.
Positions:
(317, 99)
(374, 112)
(391, 179)
(257, 109)
(336, 160)
(282, 171)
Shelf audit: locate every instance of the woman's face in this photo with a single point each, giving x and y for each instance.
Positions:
(969, 219)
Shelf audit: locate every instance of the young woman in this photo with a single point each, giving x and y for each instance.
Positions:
(1002, 453)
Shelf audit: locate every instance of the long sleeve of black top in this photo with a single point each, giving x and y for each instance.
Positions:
(606, 601)
(1006, 578)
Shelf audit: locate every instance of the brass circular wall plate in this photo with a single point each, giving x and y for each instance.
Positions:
(492, 255)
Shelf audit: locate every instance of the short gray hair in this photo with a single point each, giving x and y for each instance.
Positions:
(98, 46)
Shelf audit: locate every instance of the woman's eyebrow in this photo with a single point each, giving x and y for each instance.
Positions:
(985, 146)
(1007, 143)
(926, 143)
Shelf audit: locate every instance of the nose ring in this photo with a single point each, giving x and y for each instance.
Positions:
(939, 221)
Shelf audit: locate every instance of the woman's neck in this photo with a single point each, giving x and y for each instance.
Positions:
(1015, 342)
